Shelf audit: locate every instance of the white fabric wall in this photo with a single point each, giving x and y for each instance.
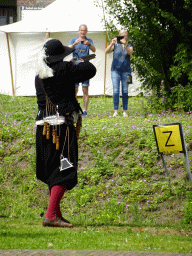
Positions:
(27, 47)
(24, 58)
(24, 53)
(27, 37)
(5, 80)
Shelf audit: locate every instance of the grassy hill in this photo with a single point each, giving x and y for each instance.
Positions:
(121, 177)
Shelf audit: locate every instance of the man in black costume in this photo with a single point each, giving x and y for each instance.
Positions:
(58, 108)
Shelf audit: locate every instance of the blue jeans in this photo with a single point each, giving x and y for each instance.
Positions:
(116, 77)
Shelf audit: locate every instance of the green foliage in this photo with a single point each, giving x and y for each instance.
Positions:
(177, 98)
(182, 64)
(161, 33)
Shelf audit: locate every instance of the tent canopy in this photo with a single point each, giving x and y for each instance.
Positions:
(61, 16)
(22, 41)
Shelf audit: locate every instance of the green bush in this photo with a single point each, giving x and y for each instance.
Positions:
(177, 98)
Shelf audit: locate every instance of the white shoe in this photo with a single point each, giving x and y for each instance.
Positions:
(115, 114)
(125, 114)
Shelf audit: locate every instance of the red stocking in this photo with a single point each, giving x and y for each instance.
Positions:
(56, 195)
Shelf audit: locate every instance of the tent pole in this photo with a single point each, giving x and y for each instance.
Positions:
(48, 35)
(105, 70)
(10, 62)
(106, 35)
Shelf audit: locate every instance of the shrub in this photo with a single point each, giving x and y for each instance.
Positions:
(177, 98)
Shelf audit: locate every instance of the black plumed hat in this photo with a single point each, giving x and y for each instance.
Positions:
(56, 51)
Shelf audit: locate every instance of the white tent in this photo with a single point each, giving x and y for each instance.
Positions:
(22, 41)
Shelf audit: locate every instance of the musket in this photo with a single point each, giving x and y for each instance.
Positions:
(88, 57)
(77, 60)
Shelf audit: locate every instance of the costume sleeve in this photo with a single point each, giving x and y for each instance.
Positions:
(73, 73)
(82, 72)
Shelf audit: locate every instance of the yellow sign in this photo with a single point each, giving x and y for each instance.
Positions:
(169, 138)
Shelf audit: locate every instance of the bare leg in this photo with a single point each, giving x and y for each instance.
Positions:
(85, 96)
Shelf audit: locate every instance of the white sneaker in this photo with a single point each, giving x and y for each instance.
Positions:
(115, 114)
(125, 114)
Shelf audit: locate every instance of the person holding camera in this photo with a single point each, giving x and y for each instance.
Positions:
(120, 69)
(82, 44)
(56, 133)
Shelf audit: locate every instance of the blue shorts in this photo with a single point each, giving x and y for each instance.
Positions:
(85, 83)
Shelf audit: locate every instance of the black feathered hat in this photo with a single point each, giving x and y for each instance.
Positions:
(56, 51)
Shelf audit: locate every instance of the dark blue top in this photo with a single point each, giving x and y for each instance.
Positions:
(121, 59)
(80, 49)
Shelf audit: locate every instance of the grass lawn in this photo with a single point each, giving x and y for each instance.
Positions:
(122, 200)
(28, 234)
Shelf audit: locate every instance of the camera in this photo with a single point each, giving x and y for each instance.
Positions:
(82, 42)
(129, 79)
(119, 38)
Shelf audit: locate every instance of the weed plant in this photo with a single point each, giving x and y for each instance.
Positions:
(121, 180)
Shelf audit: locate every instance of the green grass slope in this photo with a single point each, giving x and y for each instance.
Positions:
(121, 177)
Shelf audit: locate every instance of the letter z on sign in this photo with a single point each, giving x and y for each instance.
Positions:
(169, 138)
